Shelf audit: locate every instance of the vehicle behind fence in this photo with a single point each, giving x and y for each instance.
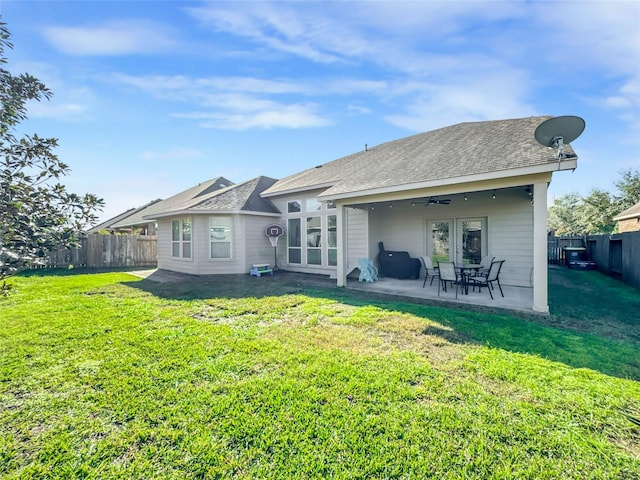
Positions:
(107, 251)
(617, 254)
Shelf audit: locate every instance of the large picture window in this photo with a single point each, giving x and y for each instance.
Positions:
(312, 233)
(181, 238)
(220, 236)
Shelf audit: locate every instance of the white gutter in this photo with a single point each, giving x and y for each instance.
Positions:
(568, 164)
(208, 212)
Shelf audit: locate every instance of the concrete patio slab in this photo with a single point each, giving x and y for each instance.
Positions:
(515, 298)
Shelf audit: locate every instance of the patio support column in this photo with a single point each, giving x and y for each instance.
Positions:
(341, 245)
(540, 271)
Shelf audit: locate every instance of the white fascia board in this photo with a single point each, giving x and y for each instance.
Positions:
(259, 214)
(177, 213)
(499, 179)
(316, 186)
(627, 217)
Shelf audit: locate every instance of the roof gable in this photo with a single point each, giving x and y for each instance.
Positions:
(243, 197)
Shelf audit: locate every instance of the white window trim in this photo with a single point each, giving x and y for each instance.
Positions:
(212, 219)
(323, 212)
(181, 242)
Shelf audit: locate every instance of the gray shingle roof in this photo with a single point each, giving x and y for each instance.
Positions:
(462, 150)
(242, 197)
(143, 215)
(126, 219)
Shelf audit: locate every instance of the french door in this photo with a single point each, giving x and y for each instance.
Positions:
(463, 240)
(471, 240)
(439, 240)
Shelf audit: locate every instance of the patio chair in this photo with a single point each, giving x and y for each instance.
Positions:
(486, 280)
(429, 270)
(447, 273)
(486, 264)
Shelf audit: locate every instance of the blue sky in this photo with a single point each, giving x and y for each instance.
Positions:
(153, 97)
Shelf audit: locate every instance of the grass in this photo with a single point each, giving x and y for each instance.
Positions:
(108, 376)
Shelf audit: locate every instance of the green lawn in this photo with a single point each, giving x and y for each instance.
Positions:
(104, 375)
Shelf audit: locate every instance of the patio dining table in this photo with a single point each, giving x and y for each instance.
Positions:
(466, 269)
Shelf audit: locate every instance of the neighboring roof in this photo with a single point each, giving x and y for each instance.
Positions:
(112, 222)
(243, 197)
(632, 212)
(465, 150)
(144, 214)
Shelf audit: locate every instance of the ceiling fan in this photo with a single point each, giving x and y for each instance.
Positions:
(434, 201)
(439, 201)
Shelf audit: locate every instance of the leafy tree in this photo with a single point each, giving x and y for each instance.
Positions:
(37, 214)
(629, 187)
(597, 212)
(564, 215)
(573, 215)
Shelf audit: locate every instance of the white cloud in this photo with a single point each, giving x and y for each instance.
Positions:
(482, 98)
(266, 116)
(115, 38)
(234, 103)
(307, 30)
(71, 105)
(605, 35)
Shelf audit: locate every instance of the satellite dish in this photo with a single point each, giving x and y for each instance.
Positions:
(557, 131)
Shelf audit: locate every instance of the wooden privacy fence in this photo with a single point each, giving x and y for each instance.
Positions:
(555, 246)
(617, 254)
(106, 251)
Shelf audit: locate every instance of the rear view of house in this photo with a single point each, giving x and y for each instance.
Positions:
(459, 193)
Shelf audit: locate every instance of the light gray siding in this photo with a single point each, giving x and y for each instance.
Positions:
(165, 260)
(257, 246)
(249, 246)
(357, 236)
(511, 238)
(210, 266)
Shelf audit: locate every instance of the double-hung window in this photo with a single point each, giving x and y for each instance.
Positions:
(220, 237)
(181, 238)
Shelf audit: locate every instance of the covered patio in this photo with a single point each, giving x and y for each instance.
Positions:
(515, 298)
